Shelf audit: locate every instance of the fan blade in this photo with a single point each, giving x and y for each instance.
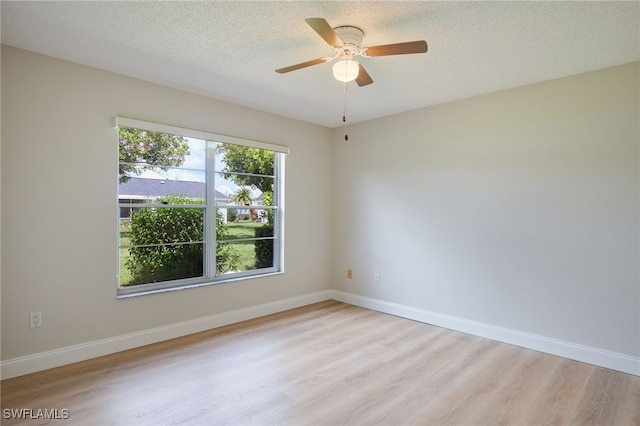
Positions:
(324, 30)
(302, 65)
(396, 49)
(363, 77)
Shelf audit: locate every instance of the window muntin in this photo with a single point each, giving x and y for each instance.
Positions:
(215, 215)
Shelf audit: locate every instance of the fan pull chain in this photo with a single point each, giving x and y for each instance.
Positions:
(344, 113)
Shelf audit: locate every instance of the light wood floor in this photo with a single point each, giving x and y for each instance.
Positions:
(329, 364)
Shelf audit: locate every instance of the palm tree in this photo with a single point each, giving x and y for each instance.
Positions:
(242, 197)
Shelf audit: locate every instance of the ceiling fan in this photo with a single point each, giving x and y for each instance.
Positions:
(346, 42)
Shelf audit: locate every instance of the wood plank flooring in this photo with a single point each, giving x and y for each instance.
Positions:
(328, 364)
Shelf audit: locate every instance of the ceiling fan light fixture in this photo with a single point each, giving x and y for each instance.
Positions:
(346, 70)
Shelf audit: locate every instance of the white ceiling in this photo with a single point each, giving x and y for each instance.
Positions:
(229, 50)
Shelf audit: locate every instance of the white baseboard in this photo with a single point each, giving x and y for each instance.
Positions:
(55, 358)
(41, 361)
(587, 354)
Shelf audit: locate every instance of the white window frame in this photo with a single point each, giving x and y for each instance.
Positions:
(210, 276)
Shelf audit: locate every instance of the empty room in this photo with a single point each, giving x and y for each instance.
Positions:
(320, 212)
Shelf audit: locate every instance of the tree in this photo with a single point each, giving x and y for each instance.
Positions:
(253, 161)
(154, 149)
(242, 196)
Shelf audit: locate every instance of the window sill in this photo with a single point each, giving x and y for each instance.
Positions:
(195, 285)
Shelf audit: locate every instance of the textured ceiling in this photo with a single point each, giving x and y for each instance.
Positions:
(229, 50)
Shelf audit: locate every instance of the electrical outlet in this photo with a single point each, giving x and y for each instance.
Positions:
(376, 278)
(35, 319)
(349, 274)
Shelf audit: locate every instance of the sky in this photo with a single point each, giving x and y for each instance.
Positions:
(193, 169)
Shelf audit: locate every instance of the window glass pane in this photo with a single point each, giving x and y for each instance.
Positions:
(125, 278)
(160, 244)
(232, 158)
(137, 188)
(165, 225)
(249, 255)
(143, 265)
(264, 249)
(165, 263)
(159, 150)
(246, 223)
(228, 192)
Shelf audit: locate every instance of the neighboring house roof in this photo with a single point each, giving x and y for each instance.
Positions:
(145, 188)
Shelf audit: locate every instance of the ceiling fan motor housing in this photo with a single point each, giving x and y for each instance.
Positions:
(352, 39)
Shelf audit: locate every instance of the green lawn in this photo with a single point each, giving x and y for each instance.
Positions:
(246, 249)
(125, 275)
(243, 229)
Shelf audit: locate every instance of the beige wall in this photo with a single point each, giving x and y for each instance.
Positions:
(518, 209)
(59, 185)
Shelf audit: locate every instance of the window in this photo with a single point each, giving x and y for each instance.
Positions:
(195, 208)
